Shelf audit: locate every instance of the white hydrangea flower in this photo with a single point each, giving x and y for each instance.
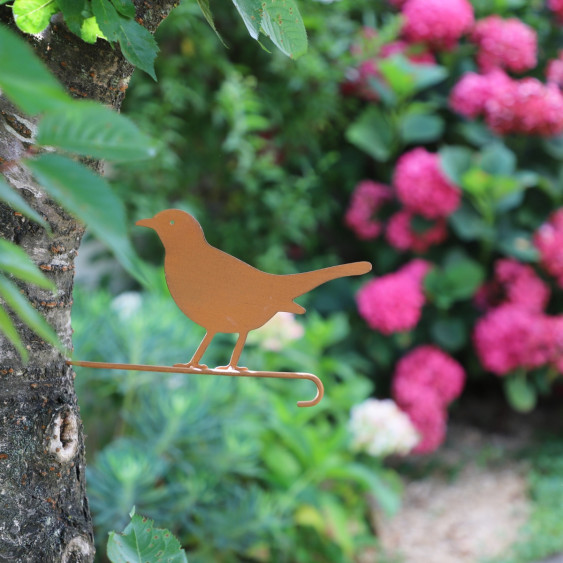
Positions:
(380, 428)
(278, 331)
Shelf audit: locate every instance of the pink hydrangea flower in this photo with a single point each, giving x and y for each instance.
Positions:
(524, 106)
(555, 332)
(429, 418)
(367, 200)
(508, 44)
(422, 187)
(402, 236)
(428, 367)
(514, 283)
(554, 71)
(393, 303)
(438, 23)
(548, 239)
(469, 96)
(556, 6)
(511, 337)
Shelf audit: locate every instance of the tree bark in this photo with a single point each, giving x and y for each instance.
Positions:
(44, 514)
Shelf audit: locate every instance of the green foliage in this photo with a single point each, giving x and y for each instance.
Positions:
(141, 542)
(254, 478)
(90, 129)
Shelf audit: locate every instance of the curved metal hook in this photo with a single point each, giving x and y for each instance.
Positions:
(222, 372)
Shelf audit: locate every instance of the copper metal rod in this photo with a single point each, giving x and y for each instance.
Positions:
(229, 373)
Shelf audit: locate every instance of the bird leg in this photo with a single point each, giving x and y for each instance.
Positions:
(236, 354)
(194, 362)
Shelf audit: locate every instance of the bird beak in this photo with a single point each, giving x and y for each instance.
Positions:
(145, 223)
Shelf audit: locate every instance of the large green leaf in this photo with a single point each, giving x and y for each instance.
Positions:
(125, 7)
(455, 161)
(72, 12)
(24, 78)
(8, 328)
(280, 20)
(18, 203)
(138, 45)
(141, 542)
(33, 16)
(282, 23)
(421, 128)
(90, 129)
(372, 133)
(89, 198)
(23, 308)
(107, 17)
(13, 260)
(521, 394)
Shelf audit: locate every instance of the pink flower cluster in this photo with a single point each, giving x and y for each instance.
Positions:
(422, 187)
(402, 236)
(510, 106)
(515, 333)
(509, 44)
(554, 71)
(511, 337)
(516, 284)
(548, 239)
(438, 23)
(556, 6)
(425, 382)
(367, 200)
(393, 303)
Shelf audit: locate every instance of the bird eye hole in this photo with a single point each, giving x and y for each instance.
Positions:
(172, 222)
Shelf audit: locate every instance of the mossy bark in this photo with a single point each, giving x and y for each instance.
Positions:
(44, 514)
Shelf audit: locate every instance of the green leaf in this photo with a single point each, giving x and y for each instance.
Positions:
(520, 393)
(282, 23)
(206, 11)
(450, 334)
(498, 160)
(407, 78)
(91, 129)
(18, 203)
(458, 280)
(8, 328)
(25, 80)
(125, 7)
(372, 133)
(33, 16)
(280, 20)
(89, 31)
(107, 17)
(469, 225)
(72, 13)
(141, 542)
(138, 45)
(13, 260)
(421, 128)
(27, 313)
(89, 198)
(455, 162)
(517, 243)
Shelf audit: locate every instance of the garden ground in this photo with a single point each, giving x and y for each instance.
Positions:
(476, 499)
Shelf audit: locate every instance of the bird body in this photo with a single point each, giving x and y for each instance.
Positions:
(222, 293)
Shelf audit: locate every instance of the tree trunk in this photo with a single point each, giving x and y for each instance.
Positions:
(44, 514)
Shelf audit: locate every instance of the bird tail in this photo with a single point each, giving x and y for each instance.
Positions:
(298, 284)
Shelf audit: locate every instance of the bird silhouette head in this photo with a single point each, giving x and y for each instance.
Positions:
(174, 225)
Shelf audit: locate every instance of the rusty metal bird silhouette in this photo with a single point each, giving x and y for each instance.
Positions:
(222, 293)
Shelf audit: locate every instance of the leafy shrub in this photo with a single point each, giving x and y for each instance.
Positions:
(230, 466)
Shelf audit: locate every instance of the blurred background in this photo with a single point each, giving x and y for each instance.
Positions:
(424, 136)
